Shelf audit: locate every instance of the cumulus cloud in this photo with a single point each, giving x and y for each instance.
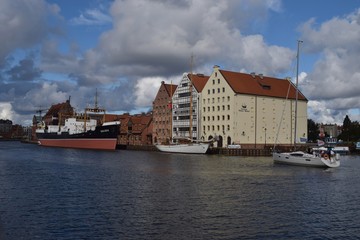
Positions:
(146, 89)
(6, 111)
(24, 71)
(336, 74)
(19, 31)
(163, 45)
(92, 17)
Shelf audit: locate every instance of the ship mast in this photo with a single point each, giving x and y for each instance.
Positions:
(95, 109)
(191, 99)
(297, 90)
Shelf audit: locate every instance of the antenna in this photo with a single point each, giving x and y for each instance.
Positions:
(96, 99)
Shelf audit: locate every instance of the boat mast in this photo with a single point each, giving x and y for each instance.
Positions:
(297, 90)
(191, 98)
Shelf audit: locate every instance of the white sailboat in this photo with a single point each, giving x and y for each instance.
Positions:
(182, 144)
(191, 147)
(326, 158)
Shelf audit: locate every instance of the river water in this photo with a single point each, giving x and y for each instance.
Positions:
(53, 193)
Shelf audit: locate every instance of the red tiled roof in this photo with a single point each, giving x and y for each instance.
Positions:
(198, 81)
(170, 88)
(261, 86)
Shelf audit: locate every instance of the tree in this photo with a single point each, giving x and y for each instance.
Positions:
(313, 130)
(350, 130)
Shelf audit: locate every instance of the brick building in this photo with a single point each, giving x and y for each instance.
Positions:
(162, 114)
(135, 130)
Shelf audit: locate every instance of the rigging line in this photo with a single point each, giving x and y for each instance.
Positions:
(282, 115)
(294, 73)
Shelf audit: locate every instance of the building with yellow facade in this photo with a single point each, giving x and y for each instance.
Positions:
(253, 111)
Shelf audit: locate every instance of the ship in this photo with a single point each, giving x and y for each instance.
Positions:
(103, 137)
(80, 131)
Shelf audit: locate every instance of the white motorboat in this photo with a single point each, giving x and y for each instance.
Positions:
(305, 159)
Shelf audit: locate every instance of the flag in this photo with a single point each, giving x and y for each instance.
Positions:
(320, 143)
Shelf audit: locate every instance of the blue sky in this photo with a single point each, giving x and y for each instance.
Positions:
(53, 49)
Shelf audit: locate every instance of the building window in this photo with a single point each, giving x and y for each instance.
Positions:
(213, 90)
(213, 100)
(218, 127)
(208, 109)
(204, 109)
(204, 119)
(228, 107)
(223, 107)
(218, 90)
(213, 128)
(218, 107)
(213, 81)
(216, 74)
(228, 116)
(228, 127)
(213, 108)
(223, 89)
(228, 98)
(213, 118)
(218, 80)
(218, 117)
(208, 91)
(223, 117)
(208, 118)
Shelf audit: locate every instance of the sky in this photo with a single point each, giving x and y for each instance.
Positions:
(55, 50)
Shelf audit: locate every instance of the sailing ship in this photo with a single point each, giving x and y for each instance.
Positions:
(80, 131)
(326, 158)
(184, 144)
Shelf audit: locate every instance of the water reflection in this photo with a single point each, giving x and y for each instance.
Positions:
(81, 194)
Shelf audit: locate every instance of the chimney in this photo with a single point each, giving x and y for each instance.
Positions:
(253, 74)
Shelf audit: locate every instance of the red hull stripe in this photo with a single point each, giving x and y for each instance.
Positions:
(86, 143)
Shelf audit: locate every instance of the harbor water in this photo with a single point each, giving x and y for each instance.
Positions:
(54, 193)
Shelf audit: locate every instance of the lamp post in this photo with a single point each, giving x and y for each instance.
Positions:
(265, 136)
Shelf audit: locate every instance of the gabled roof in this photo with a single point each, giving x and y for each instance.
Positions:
(260, 85)
(170, 88)
(198, 81)
(56, 108)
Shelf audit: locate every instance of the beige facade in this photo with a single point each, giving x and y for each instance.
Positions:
(250, 115)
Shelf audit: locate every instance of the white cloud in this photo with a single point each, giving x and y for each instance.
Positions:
(162, 45)
(92, 17)
(25, 26)
(334, 81)
(6, 111)
(146, 90)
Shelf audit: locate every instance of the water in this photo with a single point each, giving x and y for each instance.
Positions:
(50, 193)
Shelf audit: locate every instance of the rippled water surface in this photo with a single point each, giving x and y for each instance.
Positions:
(52, 193)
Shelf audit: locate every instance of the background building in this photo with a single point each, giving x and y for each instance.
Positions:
(162, 113)
(185, 103)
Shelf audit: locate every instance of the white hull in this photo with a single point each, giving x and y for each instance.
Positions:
(199, 148)
(304, 159)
